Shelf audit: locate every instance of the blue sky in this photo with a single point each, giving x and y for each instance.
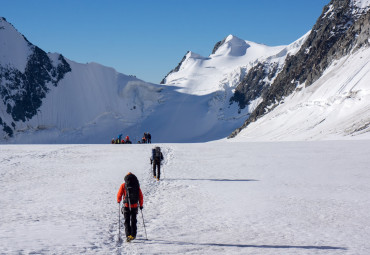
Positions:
(148, 38)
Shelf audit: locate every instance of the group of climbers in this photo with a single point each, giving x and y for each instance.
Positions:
(132, 196)
(120, 140)
(147, 138)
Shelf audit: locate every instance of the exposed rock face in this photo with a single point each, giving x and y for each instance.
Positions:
(22, 92)
(254, 83)
(341, 28)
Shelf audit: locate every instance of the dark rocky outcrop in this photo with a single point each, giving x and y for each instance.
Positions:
(22, 93)
(254, 83)
(6, 128)
(340, 29)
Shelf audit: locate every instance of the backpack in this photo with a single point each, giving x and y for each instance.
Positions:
(132, 189)
(156, 153)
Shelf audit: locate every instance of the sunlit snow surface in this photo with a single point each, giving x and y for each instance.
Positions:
(214, 198)
(336, 106)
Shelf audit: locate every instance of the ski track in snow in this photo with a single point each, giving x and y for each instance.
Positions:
(213, 198)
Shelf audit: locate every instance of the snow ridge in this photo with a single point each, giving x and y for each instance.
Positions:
(15, 49)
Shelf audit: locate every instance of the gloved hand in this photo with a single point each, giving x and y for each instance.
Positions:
(151, 162)
(141, 208)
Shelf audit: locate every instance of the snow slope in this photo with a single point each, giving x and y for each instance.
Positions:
(214, 198)
(335, 107)
(92, 104)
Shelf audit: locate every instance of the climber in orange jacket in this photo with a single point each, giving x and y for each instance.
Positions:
(132, 196)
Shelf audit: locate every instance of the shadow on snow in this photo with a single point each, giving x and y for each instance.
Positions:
(214, 180)
(307, 247)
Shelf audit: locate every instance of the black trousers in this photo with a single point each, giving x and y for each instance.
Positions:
(130, 221)
(157, 166)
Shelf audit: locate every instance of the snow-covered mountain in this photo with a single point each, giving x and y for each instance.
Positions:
(333, 56)
(46, 98)
(315, 88)
(215, 78)
(228, 64)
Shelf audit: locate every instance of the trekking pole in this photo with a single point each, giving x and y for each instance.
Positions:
(119, 221)
(142, 216)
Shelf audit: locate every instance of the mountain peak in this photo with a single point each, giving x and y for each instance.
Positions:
(232, 46)
(15, 48)
(194, 55)
(232, 38)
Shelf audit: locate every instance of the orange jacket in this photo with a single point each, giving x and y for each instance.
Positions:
(122, 191)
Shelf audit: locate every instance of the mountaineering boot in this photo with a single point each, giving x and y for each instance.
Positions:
(128, 239)
(155, 177)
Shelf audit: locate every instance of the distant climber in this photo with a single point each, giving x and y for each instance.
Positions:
(156, 160)
(128, 141)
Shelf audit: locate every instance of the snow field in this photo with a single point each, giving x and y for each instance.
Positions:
(214, 198)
